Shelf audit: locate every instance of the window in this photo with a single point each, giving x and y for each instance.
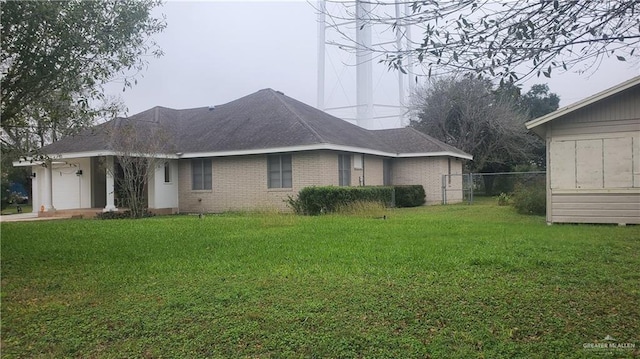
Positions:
(386, 172)
(279, 171)
(201, 174)
(344, 170)
(167, 172)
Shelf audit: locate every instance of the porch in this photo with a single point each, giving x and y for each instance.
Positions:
(73, 213)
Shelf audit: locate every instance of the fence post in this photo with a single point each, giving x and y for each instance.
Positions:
(471, 181)
(444, 189)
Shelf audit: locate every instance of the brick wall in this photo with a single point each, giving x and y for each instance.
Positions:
(428, 172)
(240, 182)
(372, 171)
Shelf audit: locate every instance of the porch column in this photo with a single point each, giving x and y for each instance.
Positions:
(111, 206)
(36, 192)
(47, 201)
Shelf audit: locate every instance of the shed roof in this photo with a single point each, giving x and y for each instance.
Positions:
(266, 121)
(535, 124)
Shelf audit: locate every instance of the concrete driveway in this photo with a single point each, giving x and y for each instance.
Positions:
(24, 217)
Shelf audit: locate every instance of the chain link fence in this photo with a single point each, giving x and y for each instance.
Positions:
(487, 184)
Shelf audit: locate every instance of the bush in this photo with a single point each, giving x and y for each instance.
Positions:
(503, 199)
(530, 198)
(317, 200)
(121, 215)
(327, 199)
(410, 196)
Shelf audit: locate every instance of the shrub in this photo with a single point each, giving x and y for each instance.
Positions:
(409, 196)
(327, 199)
(121, 215)
(530, 198)
(503, 199)
(317, 200)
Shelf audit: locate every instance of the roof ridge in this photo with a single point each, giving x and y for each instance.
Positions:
(297, 116)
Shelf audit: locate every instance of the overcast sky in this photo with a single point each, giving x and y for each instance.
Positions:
(216, 52)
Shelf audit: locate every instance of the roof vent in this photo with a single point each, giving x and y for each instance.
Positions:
(212, 107)
(280, 92)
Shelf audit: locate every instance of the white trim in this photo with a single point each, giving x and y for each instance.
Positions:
(583, 103)
(435, 154)
(258, 151)
(322, 146)
(27, 163)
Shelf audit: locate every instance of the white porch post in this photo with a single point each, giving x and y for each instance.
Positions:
(36, 192)
(111, 206)
(47, 201)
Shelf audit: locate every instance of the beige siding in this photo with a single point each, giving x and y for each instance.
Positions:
(636, 161)
(617, 114)
(594, 162)
(596, 208)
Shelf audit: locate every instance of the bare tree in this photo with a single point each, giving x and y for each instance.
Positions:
(504, 39)
(140, 147)
(467, 113)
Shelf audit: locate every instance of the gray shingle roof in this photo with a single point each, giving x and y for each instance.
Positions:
(261, 121)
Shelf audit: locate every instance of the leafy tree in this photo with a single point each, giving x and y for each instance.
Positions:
(65, 51)
(467, 114)
(538, 101)
(512, 39)
(55, 57)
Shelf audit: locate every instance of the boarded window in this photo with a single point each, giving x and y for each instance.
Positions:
(563, 164)
(618, 162)
(589, 164)
(593, 164)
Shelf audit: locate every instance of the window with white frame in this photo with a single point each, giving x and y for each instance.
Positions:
(344, 170)
(201, 175)
(279, 171)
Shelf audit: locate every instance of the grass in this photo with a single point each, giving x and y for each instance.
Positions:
(446, 281)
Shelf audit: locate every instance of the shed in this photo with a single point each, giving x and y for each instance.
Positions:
(593, 157)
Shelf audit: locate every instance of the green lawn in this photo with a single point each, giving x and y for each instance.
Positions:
(442, 282)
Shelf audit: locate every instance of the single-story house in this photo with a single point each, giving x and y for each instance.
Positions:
(250, 153)
(593, 157)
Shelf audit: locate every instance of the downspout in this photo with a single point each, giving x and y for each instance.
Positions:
(363, 182)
